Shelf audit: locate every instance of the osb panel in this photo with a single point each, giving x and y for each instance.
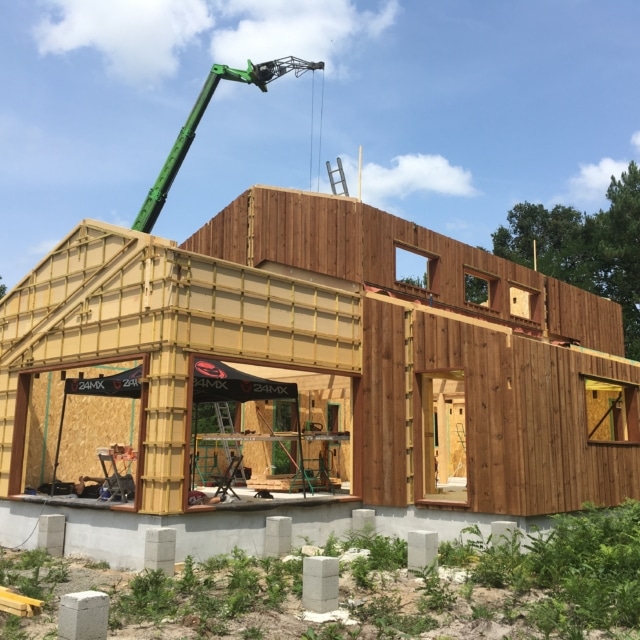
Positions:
(90, 422)
(457, 441)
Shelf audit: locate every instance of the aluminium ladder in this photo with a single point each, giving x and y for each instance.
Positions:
(334, 182)
(225, 426)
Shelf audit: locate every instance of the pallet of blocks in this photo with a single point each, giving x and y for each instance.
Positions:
(289, 482)
(19, 605)
(270, 483)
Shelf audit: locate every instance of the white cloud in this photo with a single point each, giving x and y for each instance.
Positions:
(139, 39)
(313, 30)
(593, 180)
(635, 141)
(409, 174)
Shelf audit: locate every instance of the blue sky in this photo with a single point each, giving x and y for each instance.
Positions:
(462, 108)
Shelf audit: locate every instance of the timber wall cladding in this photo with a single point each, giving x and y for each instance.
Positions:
(382, 456)
(591, 320)
(562, 471)
(341, 237)
(225, 235)
(308, 231)
(494, 446)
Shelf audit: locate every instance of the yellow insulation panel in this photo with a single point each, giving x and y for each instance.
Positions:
(110, 294)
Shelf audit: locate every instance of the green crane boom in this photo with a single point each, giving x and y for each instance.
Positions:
(258, 74)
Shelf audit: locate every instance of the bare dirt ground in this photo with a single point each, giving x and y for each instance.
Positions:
(492, 614)
(291, 621)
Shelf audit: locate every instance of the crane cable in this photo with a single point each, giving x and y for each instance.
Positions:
(319, 133)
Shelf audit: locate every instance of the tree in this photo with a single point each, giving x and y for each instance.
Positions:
(3, 289)
(599, 253)
(618, 248)
(562, 242)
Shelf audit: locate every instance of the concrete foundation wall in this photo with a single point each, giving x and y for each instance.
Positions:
(119, 538)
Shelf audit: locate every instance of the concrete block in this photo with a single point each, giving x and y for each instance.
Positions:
(83, 616)
(321, 566)
(321, 588)
(168, 566)
(277, 540)
(159, 552)
(502, 531)
(160, 534)
(51, 531)
(320, 584)
(279, 526)
(52, 523)
(276, 546)
(160, 549)
(422, 549)
(363, 520)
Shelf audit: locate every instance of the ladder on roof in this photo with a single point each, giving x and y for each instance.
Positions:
(226, 426)
(342, 182)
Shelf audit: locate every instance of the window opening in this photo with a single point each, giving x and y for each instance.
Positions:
(476, 290)
(524, 303)
(416, 269)
(612, 411)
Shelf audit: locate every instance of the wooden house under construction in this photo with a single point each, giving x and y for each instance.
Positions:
(471, 384)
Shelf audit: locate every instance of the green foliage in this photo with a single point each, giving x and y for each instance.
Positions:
(12, 629)
(97, 566)
(437, 596)
(151, 596)
(597, 252)
(332, 547)
(456, 553)
(253, 633)
(361, 572)
(501, 562)
(422, 282)
(482, 612)
(3, 289)
(33, 573)
(384, 612)
(387, 553)
(187, 582)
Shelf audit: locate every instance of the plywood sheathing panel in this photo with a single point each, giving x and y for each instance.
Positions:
(90, 422)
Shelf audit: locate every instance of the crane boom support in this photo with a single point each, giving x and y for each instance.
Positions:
(258, 74)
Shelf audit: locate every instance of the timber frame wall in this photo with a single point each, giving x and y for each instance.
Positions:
(112, 295)
(527, 449)
(305, 281)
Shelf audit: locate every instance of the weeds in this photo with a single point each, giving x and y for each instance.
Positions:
(583, 575)
(384, 612)
(438, 596)
(456, 553)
